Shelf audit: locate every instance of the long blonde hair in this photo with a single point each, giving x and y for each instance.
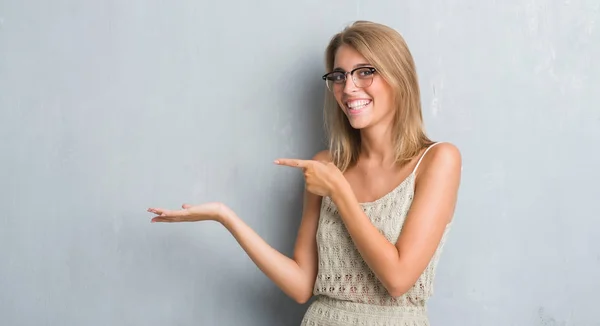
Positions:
(387, 51)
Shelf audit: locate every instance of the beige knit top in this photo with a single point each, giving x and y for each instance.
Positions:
(343, 274)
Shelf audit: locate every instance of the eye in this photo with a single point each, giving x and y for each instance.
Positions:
(365, 72)
(336, 77)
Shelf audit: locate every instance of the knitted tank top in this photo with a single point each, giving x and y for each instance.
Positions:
(344, 275)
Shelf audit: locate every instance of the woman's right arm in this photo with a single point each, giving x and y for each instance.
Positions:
(294, 276)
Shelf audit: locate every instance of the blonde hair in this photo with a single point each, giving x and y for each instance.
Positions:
(387, 51)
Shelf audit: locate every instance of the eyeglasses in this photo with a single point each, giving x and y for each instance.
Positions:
(361, 77)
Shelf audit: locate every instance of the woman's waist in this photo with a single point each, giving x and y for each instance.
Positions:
(374, 306)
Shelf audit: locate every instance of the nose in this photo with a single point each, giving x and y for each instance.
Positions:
(349, 85)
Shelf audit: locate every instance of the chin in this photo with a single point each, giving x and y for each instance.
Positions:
(358, 122)
(360, 117)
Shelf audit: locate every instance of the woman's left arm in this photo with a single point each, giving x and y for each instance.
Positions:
(399, 266)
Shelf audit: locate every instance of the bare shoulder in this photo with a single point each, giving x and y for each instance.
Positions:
(323, 155)
(442, 159)
(437, 184)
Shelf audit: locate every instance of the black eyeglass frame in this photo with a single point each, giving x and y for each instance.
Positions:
(351, 72)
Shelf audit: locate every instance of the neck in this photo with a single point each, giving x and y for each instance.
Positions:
(377, 146)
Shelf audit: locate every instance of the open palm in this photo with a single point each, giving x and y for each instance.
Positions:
(189, 213)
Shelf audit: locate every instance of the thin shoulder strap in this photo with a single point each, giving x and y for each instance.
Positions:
(421, 158)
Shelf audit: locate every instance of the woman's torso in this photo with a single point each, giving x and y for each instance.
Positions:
(343, 277)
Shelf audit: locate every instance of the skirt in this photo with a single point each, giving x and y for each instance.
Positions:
(326, 311)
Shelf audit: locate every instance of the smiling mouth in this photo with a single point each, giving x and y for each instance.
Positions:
(357, 105)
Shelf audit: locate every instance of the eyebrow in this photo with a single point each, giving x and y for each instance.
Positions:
(355, 66)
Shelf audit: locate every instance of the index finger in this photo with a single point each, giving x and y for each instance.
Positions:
(292, 162)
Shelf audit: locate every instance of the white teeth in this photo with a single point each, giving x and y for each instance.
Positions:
(358, 104)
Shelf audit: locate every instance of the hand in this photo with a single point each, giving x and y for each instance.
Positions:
(189, 213)
(322, 178)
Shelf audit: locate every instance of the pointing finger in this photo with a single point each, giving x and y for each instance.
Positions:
(293, 162)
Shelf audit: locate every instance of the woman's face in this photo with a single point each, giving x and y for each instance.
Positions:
(371, 102)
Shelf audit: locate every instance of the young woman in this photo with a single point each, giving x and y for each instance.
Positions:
(378, 203)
